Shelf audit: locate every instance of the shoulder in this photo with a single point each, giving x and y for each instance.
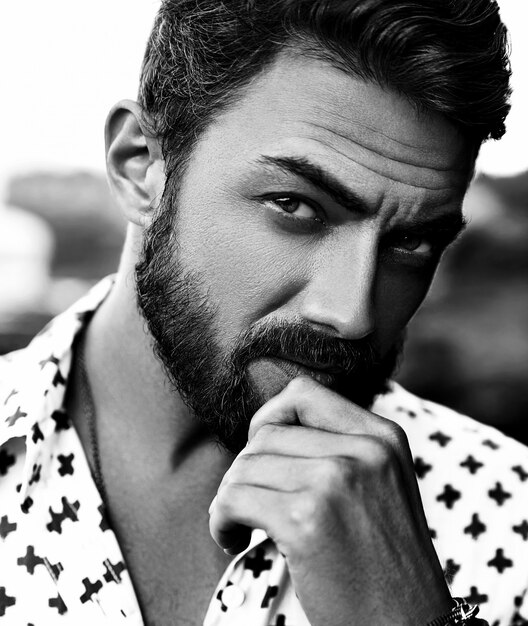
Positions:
(17, 369)
(473, 481)
(438, 428)
(33, 380)
(461, 464)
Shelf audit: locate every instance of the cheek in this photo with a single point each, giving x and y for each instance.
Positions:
(247, 268)
(398, 296)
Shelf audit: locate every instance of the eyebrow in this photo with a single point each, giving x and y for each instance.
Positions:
(444, 228)
(317, 177)
(448, 226)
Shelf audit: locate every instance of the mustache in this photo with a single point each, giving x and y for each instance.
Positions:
(299, 341)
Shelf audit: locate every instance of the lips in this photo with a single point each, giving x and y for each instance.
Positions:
(326, 377)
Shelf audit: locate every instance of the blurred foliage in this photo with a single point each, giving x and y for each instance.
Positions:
(467, 346)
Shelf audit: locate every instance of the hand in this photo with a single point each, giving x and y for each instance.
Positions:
(333, 485)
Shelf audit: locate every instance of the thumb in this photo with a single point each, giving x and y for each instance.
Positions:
(282, 408)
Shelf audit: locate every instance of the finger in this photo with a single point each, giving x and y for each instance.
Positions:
(278, 472)
(297, 441)
(321, 471)
(305, 442)
(238, 509)
(310, 404)
(305, 401)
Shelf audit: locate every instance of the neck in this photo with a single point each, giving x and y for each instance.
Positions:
(134, 401)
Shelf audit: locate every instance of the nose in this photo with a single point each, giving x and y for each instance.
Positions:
(339, 297)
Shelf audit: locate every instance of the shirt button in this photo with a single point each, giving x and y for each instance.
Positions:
(233, 597)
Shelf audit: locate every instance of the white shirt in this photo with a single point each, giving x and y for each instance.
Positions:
(60, 562)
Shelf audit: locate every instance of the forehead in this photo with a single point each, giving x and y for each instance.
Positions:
(371, 138)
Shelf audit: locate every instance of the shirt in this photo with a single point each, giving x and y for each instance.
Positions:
(60, 562)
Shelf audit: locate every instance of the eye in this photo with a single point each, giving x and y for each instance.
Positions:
(295, 207)
(415, 244)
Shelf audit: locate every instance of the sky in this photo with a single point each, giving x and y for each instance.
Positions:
(62, 68)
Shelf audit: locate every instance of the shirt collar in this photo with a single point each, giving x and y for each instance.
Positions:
(34, 379)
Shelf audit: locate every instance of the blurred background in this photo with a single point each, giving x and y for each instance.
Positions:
(64, 64)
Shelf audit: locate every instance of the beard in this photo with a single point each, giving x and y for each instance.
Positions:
(215, 383)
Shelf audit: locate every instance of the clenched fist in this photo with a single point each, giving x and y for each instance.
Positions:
(333, 485)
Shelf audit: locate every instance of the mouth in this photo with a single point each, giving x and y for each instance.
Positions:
(325, 375)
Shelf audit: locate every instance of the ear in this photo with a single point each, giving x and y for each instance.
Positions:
(134, 163)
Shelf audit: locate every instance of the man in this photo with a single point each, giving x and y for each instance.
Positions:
(291, 175)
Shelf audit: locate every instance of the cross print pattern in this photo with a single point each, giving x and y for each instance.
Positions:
(50, 538)
(66, 466)
(449, 496)
(450, 570)
(500, 562)
(521, 472)
(90, 589)
(58, 603)
(6, 527)
(69, 511)
(54, 569)
(219, 596)
(13, 419)
(271, 592)
(113, 572)
(522, 529)
(55, 535)
(36, 433)
(258, 563)
(441, 438)
(421, 467)
(6, 461)
(5, 601)
(30, 560)
(61, 419)
(499, 494)
(475, 597)
(476, 528)
(12, 393)
(471, 464)
(26, 505)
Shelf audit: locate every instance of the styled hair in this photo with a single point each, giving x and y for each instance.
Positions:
(445, 56)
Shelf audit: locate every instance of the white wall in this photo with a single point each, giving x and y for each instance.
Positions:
(63, 63)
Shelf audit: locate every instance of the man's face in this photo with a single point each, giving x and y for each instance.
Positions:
(309, 223)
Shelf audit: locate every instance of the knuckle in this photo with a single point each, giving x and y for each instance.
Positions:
(264, 433)
(240, 467)
(301, 385)
(334, 472)
(304, 515)
(233, 473)
(246, 463)
(347, 470)
(379, 454)
(395, 435)
(227, 497)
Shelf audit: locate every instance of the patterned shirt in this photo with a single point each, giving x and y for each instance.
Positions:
(60, 562)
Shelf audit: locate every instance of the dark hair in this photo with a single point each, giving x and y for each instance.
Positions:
(445, 56)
